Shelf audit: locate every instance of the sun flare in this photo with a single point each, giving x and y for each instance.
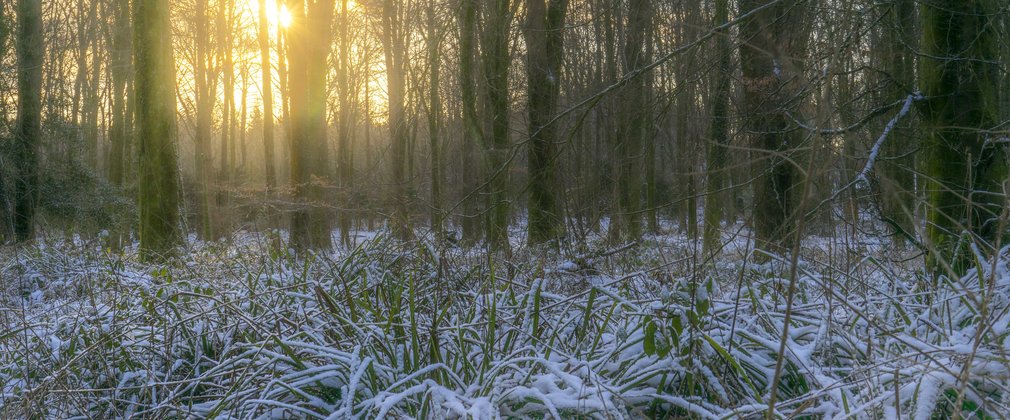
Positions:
(282, 16)
(278, 14)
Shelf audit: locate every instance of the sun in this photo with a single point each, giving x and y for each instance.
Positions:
(278, 14)
(283, 16)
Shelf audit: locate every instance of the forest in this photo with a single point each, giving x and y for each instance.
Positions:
(543, 209)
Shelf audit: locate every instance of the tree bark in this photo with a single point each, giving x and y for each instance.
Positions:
(268, 97)
(30, 48)
(544, 57)
(345, 123)
(394, 48)
(155, 84)
(204, 107)
(773, 44)
(715, 198)
(434, 122)
(965, 172)
(308, 47)
(494, 41)
(626, 220)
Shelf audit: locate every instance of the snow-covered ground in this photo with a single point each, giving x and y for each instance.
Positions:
(650, 330)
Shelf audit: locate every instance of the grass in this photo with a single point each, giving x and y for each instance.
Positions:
(246, 330)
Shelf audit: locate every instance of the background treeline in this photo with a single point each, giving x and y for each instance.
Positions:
(461, 118)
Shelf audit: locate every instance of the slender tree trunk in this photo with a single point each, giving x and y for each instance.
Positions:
(626, 222)
(242, 123)
(345, 123)
(155, 84)
(495, 59)
(545, 54)
(434, 121)
(204, 107)
(282, 75)
(91, 98)
(715, 198)
(266, 91)
(395, 55)
(474, 133)
(896, 168)
(120, 64)
(226, 47)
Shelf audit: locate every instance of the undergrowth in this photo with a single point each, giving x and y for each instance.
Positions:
(246, 330)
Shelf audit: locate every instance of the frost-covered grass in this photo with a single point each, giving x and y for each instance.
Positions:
(244, 330)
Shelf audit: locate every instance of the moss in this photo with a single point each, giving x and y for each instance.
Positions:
(964, 173)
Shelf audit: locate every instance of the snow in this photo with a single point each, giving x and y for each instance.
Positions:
(230, 334)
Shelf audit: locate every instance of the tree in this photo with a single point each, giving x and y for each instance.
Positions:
(205, 97)
(435, 35)
(714, 196)
(896, 170)
(155, 90)
(965, 171)
(495, 59)
(772, 48)
(120, 66)
(345, 119)
(468, 50)
(308, 47)
(28, 126)
(395, 50)
(268, 97)
(626, 220)
(545, 22)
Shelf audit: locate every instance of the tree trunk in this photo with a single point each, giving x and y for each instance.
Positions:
(468, 100)
(772, 48)
(266, 91)
(120, 67)
(715, 198)
(626, 221)
(495, 59)
(394, 48)
(204, 107)
(965, 172)
(545, 54)
(155, 84)
(28, 127)
(308, 47)
(896, 166)
(345, 124)
(434, 121)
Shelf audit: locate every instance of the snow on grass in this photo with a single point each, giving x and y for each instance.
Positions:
(247, 330)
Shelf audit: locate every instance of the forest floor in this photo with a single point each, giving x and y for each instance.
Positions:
(244, 329)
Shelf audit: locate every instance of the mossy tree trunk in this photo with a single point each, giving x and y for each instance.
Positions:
(495, 59)
(715, 197)
(158, 195)
(544, 56)
(28, 126)
(965, 172)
